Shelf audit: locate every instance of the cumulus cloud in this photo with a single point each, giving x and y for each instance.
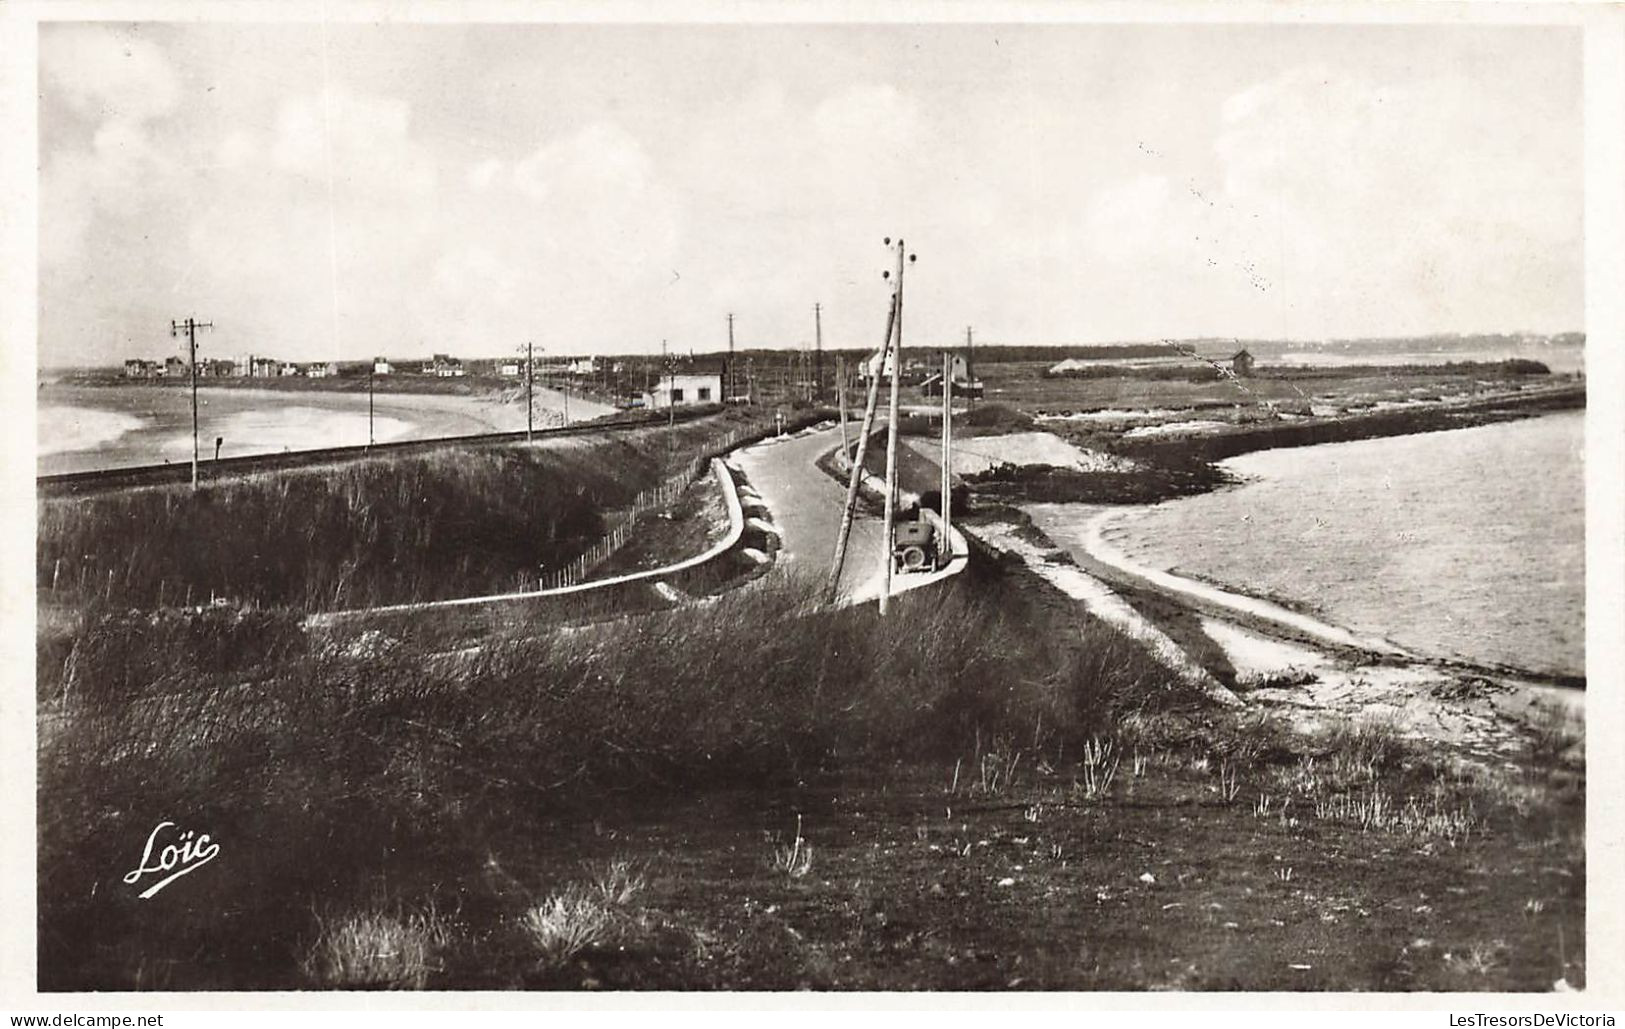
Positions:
(119, 84)
(324, 208)
(358, 140)
(109, 73)
(1338, 199)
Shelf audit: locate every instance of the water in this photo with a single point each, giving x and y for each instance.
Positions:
(92, 427)
(66, 428)
(1467, 544)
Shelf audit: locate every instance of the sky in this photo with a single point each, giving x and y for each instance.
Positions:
(344, 190)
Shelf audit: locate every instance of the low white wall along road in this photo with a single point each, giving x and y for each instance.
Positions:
(736, 529)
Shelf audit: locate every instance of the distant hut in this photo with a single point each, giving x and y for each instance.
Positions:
(1241, 362)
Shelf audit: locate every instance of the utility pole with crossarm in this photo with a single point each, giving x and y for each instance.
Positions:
(190, 327)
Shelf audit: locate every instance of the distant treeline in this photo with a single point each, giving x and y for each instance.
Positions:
(1198, 371)
(1511, 366)
(1182, 450)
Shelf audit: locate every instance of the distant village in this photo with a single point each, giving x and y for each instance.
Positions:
(693, 386)
(441, 366)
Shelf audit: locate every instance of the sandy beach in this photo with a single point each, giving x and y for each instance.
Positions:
(82, 428)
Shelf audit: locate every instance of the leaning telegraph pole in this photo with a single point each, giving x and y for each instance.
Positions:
(890, 508)
(840, 395)
(191, 325)
(832, 587)
(730, 384)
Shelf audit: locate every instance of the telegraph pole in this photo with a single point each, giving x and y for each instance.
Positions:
(947, 451)
(832, 587)
(818, 352)
(671, 394)
(190, 326)
(840, 394)
(970, 363)
(890, 508)
(530, 391)
(730, 386)
(372, 373)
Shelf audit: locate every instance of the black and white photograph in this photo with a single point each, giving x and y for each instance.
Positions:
(942, 502)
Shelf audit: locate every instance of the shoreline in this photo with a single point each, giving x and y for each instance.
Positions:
(1314, 684)
(279, 420)
(1347, 427)
(1098, 548)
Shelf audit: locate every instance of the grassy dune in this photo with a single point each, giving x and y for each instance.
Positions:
(984, 790)
(392, 529)
(345, 772)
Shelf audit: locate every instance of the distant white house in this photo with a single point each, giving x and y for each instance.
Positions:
(318, 370)
(684, 391)
(584, 366)
(444, 366)
(871, 366)
(912, 367)
(960, 382)
(508, 369)
(380, 366)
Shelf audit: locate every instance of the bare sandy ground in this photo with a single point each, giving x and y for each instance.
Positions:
(980, 453)
(1099, 600)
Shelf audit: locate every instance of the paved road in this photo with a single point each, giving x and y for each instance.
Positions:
(806, 506)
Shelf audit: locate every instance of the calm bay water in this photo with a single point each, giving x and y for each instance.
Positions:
(1466, 544)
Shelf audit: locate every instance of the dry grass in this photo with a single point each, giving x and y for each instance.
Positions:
(388, 529)
(359, 744)
(582, 917)
(1435, 818)
(1559, 736)
(1097, 767)
(619, 883)
(376, 950)
(565, 924)
(794, 860)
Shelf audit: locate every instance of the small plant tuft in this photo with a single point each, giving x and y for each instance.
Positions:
(796, 859)
(566, 924)
(376, 950)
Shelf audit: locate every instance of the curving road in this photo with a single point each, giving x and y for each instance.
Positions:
(806, 506)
